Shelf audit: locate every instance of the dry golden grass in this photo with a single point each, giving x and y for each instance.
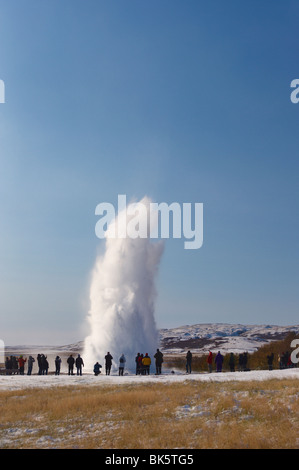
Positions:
(194, 415)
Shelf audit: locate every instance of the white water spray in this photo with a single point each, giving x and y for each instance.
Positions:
(122, 297)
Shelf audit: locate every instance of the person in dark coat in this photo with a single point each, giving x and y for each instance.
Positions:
(159, 360)
(57, 365)
(39, 363)
(219, 362)
(188, 362)
(232, 362)
(45, 364)
(97, 368)
(108, 363)
(31, 360)
(137, 364)
(79, 364)
(15, 364)
(71, 362)
(8, 365)
(140, 365)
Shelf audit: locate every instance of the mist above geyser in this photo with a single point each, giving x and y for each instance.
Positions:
(122, 294)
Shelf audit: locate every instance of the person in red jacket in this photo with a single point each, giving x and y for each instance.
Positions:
(21, 362)
(210, 361)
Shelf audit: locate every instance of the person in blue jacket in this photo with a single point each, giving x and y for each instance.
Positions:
(219, 362)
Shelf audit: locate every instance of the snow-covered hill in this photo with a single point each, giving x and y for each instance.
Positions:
(221, 336)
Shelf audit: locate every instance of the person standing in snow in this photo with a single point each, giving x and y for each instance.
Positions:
(15, 364)
(188, 362)
(45, 365)
(57, 365)
(219, 362)
(137, 363)
(146, 362)
(71, 362)
(108, 362)
(140, 364)
(8, 365)
(210, 361)
(31, 360)
(21, 361)
(79, 364)
(159, 360)
(121, 367)
(39, 363)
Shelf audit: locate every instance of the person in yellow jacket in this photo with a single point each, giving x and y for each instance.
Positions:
(146, 362)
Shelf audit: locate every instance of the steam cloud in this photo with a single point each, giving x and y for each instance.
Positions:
(122, 297)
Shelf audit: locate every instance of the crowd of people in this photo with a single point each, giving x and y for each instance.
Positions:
(143, 362)
(240, 362)
(16, 365)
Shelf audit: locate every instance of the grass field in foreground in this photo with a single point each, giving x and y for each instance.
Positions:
(153, 416)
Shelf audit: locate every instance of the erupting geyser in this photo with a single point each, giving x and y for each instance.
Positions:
(122, 296)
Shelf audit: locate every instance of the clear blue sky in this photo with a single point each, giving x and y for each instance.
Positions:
(181, 101)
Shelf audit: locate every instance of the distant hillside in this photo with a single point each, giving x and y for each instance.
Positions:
(235, 338)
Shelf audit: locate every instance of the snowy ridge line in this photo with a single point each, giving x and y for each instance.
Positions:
(227, 337)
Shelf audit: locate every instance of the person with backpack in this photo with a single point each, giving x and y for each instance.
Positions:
(121, 367)
(159, 360)
(79, 364)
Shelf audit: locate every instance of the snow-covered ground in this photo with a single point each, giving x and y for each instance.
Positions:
(17, 382)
